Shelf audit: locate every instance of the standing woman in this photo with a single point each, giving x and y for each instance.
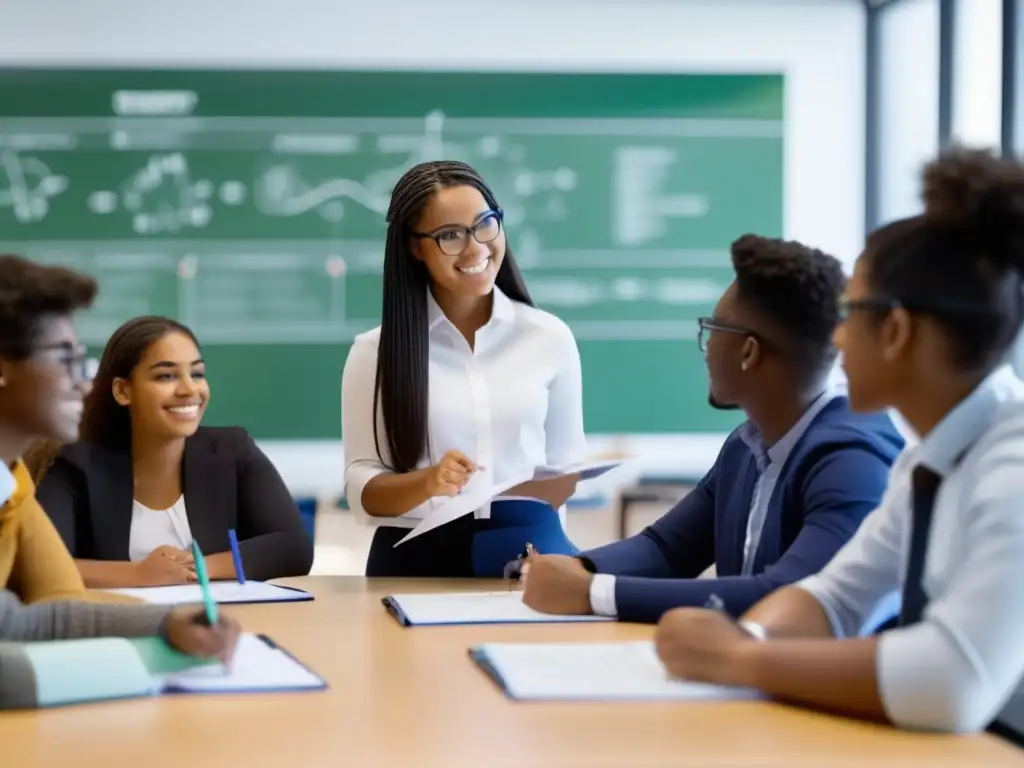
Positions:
(933, 308)
(146, 478)
(463, 377)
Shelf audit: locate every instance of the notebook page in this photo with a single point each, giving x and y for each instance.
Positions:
(256, 666)
(504, 607)
(223, 592)
(594, 672)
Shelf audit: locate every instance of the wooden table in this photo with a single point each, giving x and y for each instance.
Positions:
(411, 698)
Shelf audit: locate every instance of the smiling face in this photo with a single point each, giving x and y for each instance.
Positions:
(461, 241)
(42, 393)
(167, 392)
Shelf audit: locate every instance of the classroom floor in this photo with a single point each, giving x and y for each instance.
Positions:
(342, 544)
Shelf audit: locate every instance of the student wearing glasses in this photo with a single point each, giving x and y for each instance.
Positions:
(146, 479)
(41, 368)
(789, 487)
(464, 381)
(933, 308)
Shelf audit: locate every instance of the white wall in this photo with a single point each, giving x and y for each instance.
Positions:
(817, 44)
(908, 103)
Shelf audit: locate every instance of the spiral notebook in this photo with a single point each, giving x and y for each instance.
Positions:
(222, 591)
(97, 669)
(625, 671)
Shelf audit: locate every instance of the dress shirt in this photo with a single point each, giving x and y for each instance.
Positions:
(512, 402)
(153, 528)
(7, 483)
(770, 461)
(954, 669)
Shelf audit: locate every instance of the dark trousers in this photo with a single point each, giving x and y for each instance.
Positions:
(467, 547)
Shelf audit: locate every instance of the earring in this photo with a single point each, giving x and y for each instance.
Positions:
(743, 365)
(3, 381)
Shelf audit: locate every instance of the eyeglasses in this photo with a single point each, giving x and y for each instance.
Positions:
(707, 324)
(79, 367)
(453, 241)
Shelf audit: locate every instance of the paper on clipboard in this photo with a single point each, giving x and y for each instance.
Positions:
(474, 497)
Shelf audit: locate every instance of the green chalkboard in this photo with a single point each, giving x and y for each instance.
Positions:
(249, 204)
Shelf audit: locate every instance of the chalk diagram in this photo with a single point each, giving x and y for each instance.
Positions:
(283, 190)
(162, 197)
(30, 185)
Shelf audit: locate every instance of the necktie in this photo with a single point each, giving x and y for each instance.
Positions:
(924, 489)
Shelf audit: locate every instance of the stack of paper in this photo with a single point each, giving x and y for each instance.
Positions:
(590, 672)
(446, 608)
(223, 592)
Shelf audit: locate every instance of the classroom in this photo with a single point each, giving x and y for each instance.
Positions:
(675, 411)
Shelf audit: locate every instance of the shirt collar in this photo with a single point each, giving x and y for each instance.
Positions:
(8, 483)
(24, 487)
(780, 450)
(502, 310)
(959, 429)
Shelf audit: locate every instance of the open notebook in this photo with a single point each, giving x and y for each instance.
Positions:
(446, 608)
(590, 672)
(223, 592)
(76, 671)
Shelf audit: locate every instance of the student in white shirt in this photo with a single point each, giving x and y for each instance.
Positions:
(469, 382)
(933, 308)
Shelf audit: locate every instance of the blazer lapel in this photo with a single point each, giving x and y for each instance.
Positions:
(110, 504)
(203, 477)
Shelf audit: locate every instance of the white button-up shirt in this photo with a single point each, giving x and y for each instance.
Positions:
(955, 669)
(512, 403)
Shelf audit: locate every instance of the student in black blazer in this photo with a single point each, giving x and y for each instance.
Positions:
(146, 478)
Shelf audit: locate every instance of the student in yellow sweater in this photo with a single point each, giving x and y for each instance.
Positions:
(42, 368)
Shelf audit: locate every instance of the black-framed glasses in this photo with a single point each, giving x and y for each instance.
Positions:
(707, 324)
(73, 357)
(453, 241)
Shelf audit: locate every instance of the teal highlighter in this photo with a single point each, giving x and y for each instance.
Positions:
(204, 585)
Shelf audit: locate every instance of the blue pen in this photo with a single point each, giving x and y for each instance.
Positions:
(204, 585)
(236, 556)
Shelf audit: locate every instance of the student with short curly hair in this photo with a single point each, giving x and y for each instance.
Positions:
(932, 309)
(790, 486)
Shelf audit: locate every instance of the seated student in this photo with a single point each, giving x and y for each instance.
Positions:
(933, 308)
(146, 477)
(789, 487)
(40, 369)
(41, 365)
(464, 379)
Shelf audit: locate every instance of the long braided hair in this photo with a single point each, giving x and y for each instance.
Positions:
(401, 390)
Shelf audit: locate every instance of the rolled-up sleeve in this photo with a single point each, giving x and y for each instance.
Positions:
(956, 669)
(362, 463)
(863, 578)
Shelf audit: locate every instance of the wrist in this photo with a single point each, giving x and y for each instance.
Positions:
(742, 666)
(163, 632)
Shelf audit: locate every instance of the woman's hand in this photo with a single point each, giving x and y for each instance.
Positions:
(187, 630)
(450, 474)
(165, 566)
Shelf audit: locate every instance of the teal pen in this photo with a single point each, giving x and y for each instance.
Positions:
(204, 585)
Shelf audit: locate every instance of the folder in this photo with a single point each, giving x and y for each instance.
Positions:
(223, 592)
(605, 672)
(455, 608)
(100, 669)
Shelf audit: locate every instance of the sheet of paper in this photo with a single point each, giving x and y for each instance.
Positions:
(256, 666)
(504, 607)
(587, 470)
(591, 672)
(473, 496)
(223, 592)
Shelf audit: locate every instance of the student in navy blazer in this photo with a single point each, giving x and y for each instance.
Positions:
(789, 487)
